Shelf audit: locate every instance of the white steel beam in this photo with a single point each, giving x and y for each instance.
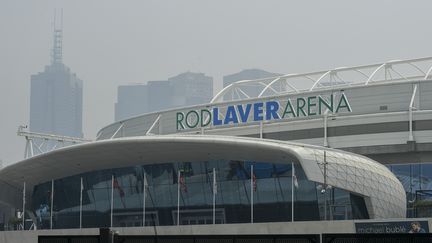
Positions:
(149, 131)
(268, 85)
(400, 75)
(410, 110)
(363, 70)
(23, 133)
(428, 73)
(375, 72)
(44, 139)
(118, 129)
(319, 79)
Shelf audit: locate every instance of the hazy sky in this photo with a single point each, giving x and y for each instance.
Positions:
(111, 42)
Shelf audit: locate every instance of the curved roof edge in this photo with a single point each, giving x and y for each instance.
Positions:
(385, 196)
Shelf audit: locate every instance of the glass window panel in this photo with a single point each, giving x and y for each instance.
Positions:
(403, 173)
(271, 190)
(426, 176)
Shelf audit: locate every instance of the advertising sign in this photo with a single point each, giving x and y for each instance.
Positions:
(393, 227)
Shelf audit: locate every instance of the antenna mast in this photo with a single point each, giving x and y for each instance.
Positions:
(57, 51)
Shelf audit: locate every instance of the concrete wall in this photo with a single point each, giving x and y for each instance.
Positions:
(310, 227)
(32, 236)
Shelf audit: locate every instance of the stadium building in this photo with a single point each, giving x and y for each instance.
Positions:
(344, 144)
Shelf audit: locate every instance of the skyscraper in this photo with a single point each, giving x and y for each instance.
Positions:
(159, 95)
(136, 99)
(182, 90)
(131, 100)
(56, 96)
(191, 88)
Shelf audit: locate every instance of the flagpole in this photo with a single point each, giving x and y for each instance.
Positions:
(178, 198)
(81, 199)
(292, 191)
(24, 201)
(214, 195)
(252, 189)
(144, 198)
(325, 186)
(52, 204)
(112, 200)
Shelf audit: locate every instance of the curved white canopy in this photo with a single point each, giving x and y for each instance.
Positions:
(384, 194)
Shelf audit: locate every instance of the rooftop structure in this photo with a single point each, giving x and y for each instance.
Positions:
(391, 71)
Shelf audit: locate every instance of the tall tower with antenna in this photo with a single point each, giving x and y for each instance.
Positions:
(57, 51)
(56, 93)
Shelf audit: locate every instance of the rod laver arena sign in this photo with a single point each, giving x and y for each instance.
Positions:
(263, 111)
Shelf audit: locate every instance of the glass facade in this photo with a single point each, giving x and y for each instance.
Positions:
(268, 187)
(416, 179)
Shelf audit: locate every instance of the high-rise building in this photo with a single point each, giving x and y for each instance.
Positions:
(182, 90)
(191, 89)
(159, 95)
(131, 101)
(56, 97)
(136, 99)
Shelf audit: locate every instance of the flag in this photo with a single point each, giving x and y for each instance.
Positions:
(49, 196)
(254, 181)
(214, 182)
(182, 182)
(116, 185)
(145, 181)
(294, 177)
(82, 184)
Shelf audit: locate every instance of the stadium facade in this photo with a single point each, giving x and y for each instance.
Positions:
(354, 144)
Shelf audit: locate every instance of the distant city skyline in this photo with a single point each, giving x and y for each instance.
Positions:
(184, 89)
